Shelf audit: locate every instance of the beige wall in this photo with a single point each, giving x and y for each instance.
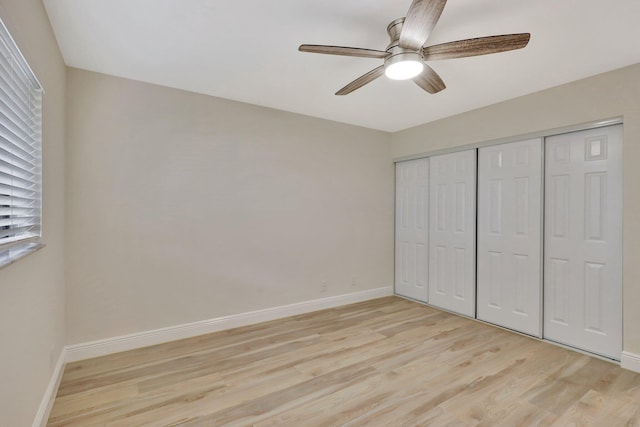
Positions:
(184, 207)
(616, 93)
(32, 289)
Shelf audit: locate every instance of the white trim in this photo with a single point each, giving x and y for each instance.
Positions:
(42, 416)
(106, 346)
(515, 138)
(630, 361)
(15, 252)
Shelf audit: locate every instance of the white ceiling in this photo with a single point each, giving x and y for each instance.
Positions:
(247, 50)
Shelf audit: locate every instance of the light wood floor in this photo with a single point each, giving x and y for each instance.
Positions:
(386, 362)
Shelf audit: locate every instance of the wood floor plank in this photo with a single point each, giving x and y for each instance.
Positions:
(595, 408)
(385, 362)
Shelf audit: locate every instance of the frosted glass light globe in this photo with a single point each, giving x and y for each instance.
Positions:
(403, 66)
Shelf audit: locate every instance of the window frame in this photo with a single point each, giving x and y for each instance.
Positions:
(13, 61)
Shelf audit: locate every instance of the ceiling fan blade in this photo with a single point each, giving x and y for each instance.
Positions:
(420, 21)
(362, 80)
(429, 80)
(344, 51)
(475, 47)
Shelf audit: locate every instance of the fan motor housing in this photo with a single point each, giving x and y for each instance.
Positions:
(397, 53)
(394, 29)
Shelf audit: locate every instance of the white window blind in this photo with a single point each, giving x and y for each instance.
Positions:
(20, 151)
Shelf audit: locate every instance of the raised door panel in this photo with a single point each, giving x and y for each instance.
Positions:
(452, 259)
(412, 201)
(509, 235)
(583, 240)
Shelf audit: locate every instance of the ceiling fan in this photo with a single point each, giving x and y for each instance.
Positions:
(405, 57)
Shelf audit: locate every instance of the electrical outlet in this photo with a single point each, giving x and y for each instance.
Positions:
(323, 286)
(354, 281)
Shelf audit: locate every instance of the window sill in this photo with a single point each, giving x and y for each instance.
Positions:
(10, 255)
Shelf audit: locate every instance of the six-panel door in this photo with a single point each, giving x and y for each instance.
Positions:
(583, 240)
(509, 235)
(436, 247)
(412, 212)
(452, 232)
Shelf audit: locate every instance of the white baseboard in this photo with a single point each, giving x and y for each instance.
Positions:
(103, 347)
(630, 361)
(42, 416)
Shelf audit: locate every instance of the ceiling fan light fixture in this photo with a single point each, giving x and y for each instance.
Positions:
(407, 53)
(403, 66)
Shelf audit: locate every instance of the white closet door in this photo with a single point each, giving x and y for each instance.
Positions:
(452, 232)
(510, 235)
(583, 240)
(412, 200)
